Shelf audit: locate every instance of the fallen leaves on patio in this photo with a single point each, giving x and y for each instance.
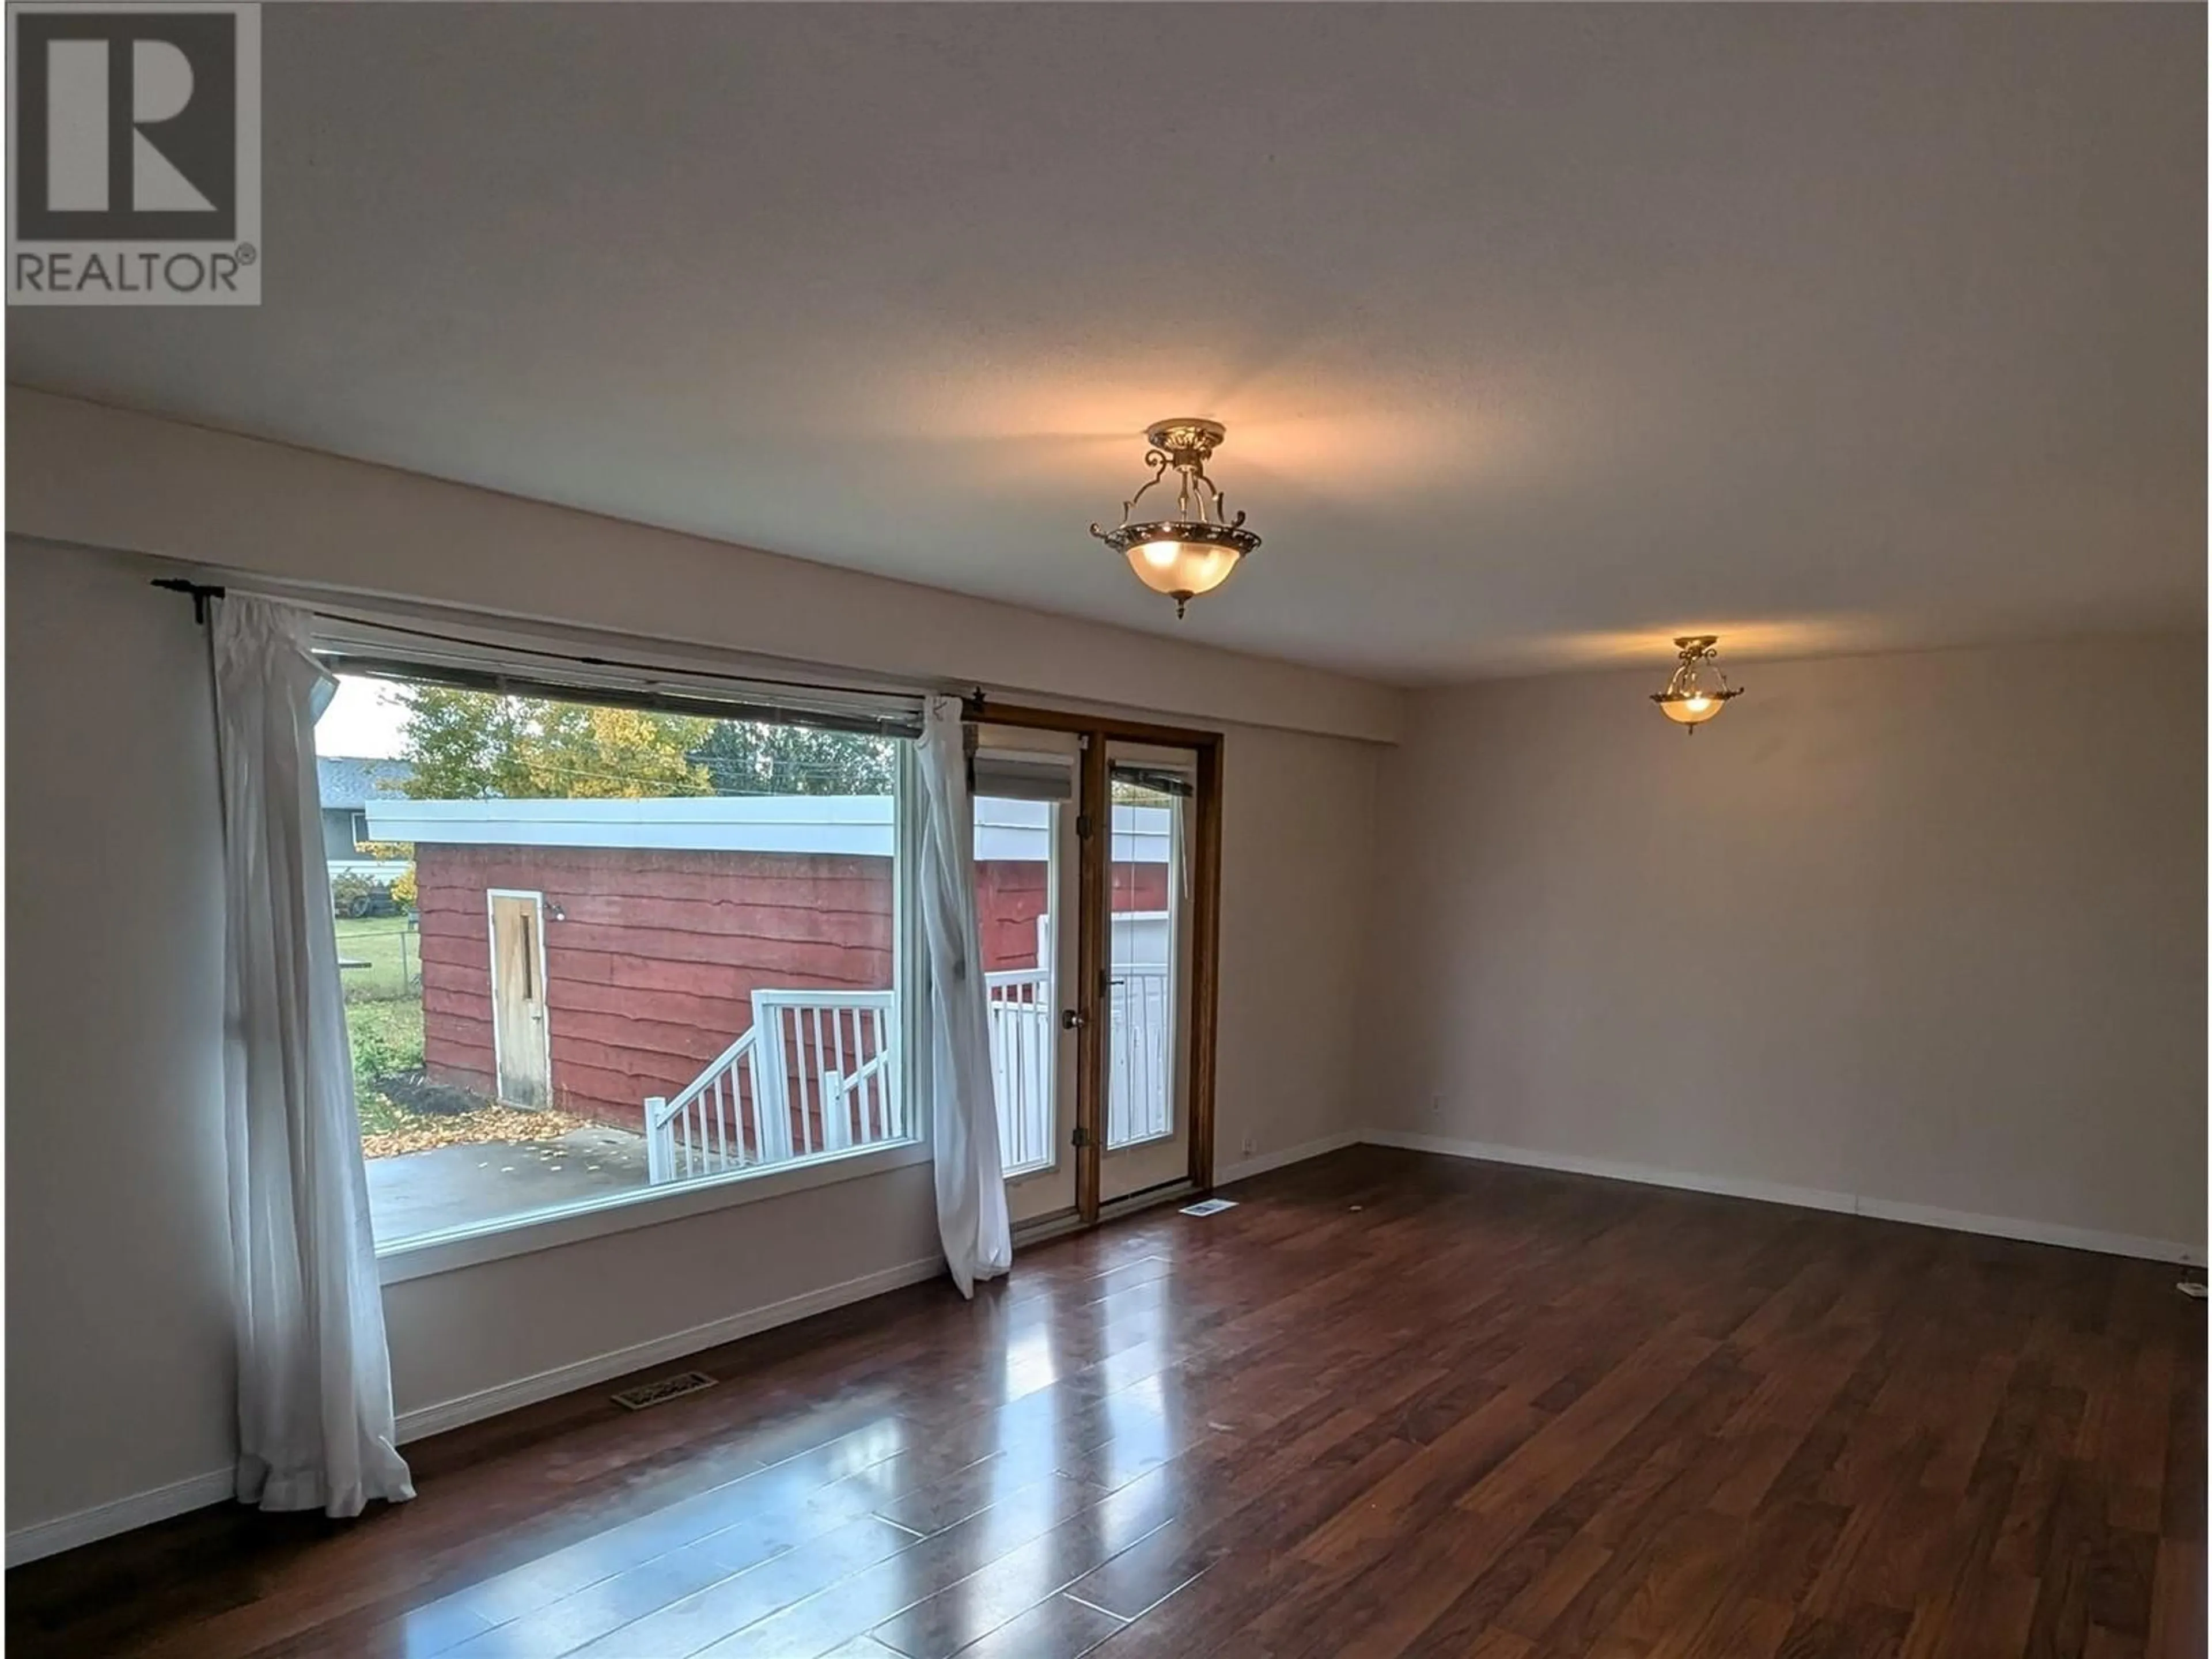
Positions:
(419, 1132)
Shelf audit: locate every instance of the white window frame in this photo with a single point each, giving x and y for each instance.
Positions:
(422, 1256)
(426, 1254)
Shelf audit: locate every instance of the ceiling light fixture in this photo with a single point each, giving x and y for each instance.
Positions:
(1194, 551)
(1687, 701)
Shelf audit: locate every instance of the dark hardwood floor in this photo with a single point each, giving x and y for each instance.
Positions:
(1392, 1405)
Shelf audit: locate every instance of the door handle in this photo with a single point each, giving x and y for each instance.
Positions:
(1070, 1020)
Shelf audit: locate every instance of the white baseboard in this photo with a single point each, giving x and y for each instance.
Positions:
(1245, 1168)
(426, 1420)
(144, 1508)
(1810, 1198)
(2035, 1232)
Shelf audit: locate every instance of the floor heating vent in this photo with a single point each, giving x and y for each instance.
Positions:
(659, 1393)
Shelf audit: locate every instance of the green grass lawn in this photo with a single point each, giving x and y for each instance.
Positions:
(384, 1012)
(392, 951)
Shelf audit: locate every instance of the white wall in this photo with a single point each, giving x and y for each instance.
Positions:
(1298, 835)
(500, 1334)
(119, 1348)
(1927, 929)
(118, 1258)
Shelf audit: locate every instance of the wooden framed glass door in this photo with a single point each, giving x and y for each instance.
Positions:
(1139, 1054)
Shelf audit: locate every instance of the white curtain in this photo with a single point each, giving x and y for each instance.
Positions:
(314, 1379)
(971, 1188)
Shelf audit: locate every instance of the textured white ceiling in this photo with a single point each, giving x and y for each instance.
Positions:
(1541, 333)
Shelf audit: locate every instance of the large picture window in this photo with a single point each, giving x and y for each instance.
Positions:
(592, 950)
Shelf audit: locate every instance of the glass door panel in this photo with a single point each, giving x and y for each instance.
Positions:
(1026, 862)
(1146, 1002)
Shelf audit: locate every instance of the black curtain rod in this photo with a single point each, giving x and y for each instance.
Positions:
(201, 592)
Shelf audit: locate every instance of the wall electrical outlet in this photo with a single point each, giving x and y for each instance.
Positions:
(1248, 1146)
(1435, 1105)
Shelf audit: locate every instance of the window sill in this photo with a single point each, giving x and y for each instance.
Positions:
(545, 1229)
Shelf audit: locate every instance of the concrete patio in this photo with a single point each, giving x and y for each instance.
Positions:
(421, 1193)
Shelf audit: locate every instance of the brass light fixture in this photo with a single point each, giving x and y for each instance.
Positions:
(1687, 700)
(1194, 551)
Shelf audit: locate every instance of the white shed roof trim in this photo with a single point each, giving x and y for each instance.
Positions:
(1012, 831)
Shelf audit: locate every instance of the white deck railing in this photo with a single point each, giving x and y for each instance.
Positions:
(1023, 1055)
(833, 1048)
(815, 1074)
(1140, 1054)
(1140, 1058)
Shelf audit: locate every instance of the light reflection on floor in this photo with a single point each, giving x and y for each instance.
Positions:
(1055, 1470)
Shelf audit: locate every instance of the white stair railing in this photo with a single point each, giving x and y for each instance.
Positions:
(702, 1131)
(815, 1073)
(856, 1109)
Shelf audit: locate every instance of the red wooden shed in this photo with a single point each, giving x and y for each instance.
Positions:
(593, 954)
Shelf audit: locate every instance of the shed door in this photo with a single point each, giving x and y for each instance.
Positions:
(518, 998)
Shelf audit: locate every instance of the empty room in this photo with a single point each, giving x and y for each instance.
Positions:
(876, 831)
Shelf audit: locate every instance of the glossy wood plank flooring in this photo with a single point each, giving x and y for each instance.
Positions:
(1391, 1405)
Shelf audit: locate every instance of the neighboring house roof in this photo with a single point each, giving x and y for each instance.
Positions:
(348, 782)
(1012, 830)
